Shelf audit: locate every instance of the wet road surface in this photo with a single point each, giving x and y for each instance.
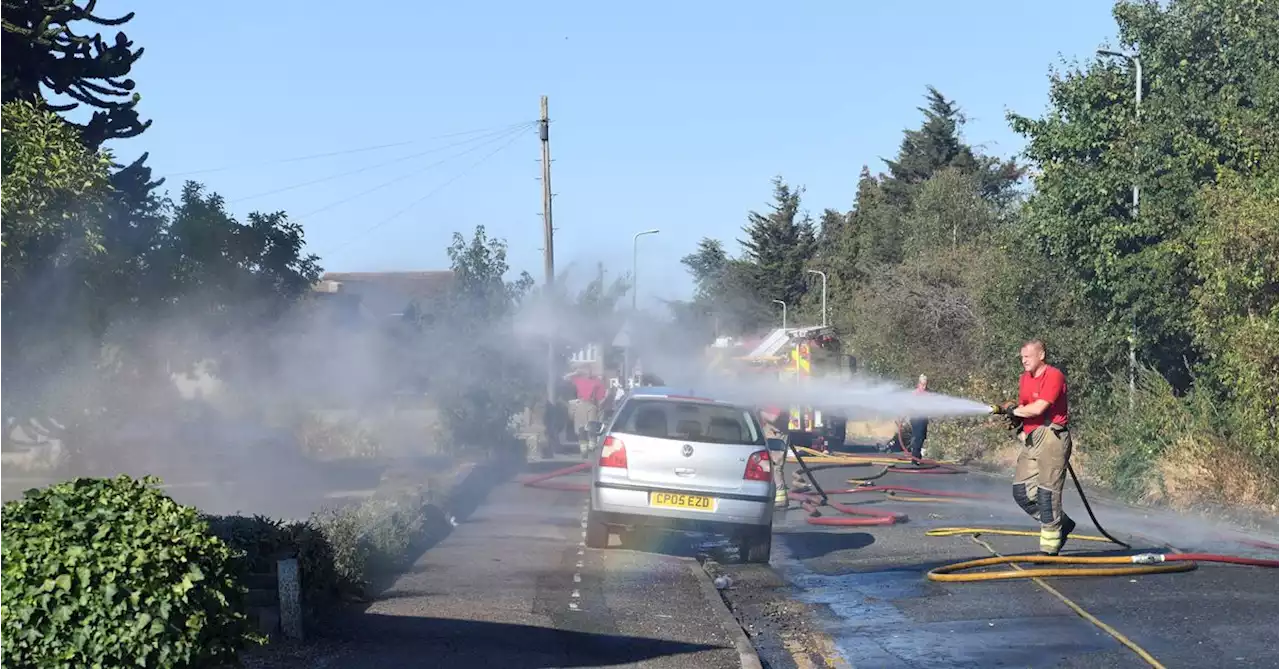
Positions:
(864, 589)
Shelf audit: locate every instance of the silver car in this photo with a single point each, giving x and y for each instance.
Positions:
(673, 461)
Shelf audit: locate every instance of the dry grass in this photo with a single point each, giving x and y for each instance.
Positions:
(879, 430)
(1195, 471)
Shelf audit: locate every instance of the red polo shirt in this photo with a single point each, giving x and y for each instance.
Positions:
(1050, 386)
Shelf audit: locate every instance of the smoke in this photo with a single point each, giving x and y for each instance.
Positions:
(250, 407)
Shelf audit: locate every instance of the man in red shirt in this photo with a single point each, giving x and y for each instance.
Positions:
(1042, 464)
(585, 408)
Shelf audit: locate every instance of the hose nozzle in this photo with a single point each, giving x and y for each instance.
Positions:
(996, 409)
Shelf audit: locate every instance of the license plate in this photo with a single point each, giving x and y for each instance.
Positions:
(675, 500)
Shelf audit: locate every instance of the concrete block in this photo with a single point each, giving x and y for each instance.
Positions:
(290, 583)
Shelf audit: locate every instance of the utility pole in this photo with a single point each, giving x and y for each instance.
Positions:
(1136, 64)
(548, 240)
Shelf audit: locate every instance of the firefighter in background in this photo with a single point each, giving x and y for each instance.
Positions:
(914, 430)
(590, 393)
(1041, 419)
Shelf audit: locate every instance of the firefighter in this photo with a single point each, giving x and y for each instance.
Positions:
(1041, 418)
(590, 390)
(919, 426)
(910, 433)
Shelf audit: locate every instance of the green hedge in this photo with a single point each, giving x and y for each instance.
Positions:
(114, 573)
(262, 541)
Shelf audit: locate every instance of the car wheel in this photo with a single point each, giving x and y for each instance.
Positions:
(757, 545)
(597, 532)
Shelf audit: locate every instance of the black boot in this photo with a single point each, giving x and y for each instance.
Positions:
(1068, 526)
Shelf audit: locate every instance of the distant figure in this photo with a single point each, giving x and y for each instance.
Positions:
(919, 426)
(913, 430)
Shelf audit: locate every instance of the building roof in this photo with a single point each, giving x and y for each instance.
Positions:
(388, 293)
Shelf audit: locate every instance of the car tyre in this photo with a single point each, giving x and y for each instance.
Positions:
(757, 545)
(597, 532)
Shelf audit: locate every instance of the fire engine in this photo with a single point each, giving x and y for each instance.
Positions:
(798, 355)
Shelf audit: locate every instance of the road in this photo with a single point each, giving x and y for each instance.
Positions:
(513, 586)
(858, 596)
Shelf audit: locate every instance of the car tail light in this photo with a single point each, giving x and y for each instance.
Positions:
(759, 467)
(613, 453)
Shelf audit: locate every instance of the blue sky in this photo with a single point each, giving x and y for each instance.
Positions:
(665, 115)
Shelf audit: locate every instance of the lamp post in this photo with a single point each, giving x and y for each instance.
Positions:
(784, 313)
(635, 291)
(1136, 63)
(824, 294)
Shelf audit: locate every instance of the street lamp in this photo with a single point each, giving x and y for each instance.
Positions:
(784, 313)
(635, 249)
(635, 290)
(1136, 63)
(824, 294)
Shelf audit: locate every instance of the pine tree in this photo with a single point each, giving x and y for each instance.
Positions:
(778, 245)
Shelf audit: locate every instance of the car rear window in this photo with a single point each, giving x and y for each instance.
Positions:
(690, 421)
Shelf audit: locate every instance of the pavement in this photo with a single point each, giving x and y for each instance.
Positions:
(513, 586)
(858, 596)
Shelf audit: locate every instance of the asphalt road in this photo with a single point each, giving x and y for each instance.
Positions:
(858, 596)
(513, 586)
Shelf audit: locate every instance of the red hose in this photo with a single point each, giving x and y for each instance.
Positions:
(1228, 559)
(931, 466)
(914, 491)
(543, 480)
(867, 517)
(1258, 544)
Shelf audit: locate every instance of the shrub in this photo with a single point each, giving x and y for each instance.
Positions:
(376, 537)
(262, 541)
(113, 573)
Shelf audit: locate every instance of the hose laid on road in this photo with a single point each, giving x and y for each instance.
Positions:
(544, 480)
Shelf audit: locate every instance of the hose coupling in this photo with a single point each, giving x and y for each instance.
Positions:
(1147, 558)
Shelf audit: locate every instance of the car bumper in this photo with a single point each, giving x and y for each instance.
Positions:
(626, 504)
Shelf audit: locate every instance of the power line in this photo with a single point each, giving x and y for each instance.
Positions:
(364, 233)
(374, 166)
(416, 172)
(344, 152)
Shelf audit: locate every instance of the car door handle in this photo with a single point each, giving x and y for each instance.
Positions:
(684, 471)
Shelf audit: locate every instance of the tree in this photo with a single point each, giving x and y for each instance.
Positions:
(1209, 104)
(778, 245)
(481, 290)
(475, 370)
(43, 52)
(937, 145)
(47, 61)
(725, 300)
(1234, 306)
(54, 190)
